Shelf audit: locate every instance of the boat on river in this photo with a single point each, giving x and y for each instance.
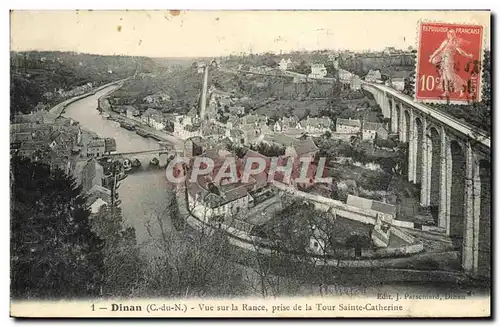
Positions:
(141, 132)
(127, 126)
(136, 163)
(106, 115)
(154, 161)
(156, 137)
(127, 165)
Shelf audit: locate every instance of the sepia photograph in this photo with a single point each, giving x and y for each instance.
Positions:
(218, 163)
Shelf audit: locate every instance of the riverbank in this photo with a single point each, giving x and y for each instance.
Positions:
(157, 135)
(58, 109)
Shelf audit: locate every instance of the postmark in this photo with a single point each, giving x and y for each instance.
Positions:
(449, 63)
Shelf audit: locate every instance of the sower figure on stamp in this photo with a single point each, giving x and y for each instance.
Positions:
(443, 58)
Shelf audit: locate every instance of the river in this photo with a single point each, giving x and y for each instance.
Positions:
(142, 193)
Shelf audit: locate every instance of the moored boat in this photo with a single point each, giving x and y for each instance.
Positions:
(136, 163)
(141, 132)
(127, 165)
(128, 126)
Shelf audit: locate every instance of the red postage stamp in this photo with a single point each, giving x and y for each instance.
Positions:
(449, 63)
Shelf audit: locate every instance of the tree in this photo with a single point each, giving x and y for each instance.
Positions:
(189, 263)
(302, 68)
(54, 252)
(122, 263)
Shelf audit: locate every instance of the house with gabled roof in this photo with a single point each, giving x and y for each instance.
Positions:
(286, 123)
(153, 118)
(302, 148)
(348, 125)
(371, 130)
(316, 125)
(253, 119)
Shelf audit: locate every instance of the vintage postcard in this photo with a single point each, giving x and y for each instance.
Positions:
(181, 163)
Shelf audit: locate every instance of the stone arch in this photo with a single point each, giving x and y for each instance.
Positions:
(484, 233)
(391, 113)
(397, 117)
(434, 162)
(405, 126)
(457, 171)
(419, 137)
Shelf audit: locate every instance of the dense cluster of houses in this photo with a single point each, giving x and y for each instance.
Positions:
(61, 93)
(211, 197)
(225, 118)
(61, 143)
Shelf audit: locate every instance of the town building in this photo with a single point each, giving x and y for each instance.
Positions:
(345, 76)
(132, 112)
(228, 197)
(190, 131)
(348, 125)
(389, 50)
(213, 130)
(186, 126)
(286, 123)
(285, 64)
(254, 132)
(88, 173)
(280, 140)
(217, 202)
(232, 122)
(253, 119)
(153, 118)
(109, 145)
(236, 136)
(200, 67)
(218, 94)
(373, 76)
(355, 83)
(33, 150)
(317, 71)
(157, 98)
(97, 197)
(370, 131)
(302, 148)
(96, 147)
(397, 83)
(236, 110)
(196, 146)
(316, 125)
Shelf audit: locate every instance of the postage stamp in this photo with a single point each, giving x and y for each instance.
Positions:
(449, 63)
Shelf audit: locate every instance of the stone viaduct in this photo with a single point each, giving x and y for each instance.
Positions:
(451, 161)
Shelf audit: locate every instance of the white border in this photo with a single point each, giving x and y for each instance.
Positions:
(189, 4)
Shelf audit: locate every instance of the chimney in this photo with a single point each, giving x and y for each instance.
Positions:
(203, 102)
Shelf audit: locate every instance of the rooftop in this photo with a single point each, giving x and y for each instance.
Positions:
(317, 122)
(349, 122)
(370, 126)
(370, 204)
(96, 142)
(304, 146)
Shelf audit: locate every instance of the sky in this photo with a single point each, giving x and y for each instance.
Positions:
(215, 33)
